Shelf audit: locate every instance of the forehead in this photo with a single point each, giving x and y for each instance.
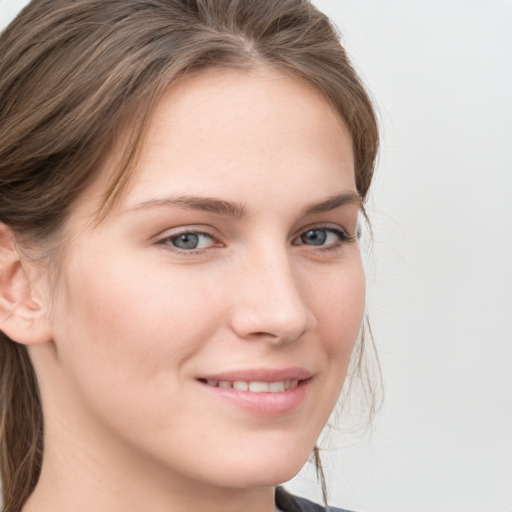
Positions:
(226, 132)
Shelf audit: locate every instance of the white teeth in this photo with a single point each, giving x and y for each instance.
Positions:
(259, 387)
(255, 386)
(241, 385)
(276, 386)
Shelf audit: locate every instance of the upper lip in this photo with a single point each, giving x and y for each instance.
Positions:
(260, 375)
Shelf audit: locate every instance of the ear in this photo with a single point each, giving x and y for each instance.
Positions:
(22, 317)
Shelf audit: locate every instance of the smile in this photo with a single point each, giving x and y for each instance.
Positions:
(254, 386)
(264, 392)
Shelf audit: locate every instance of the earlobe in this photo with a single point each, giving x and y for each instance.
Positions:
(22, 317)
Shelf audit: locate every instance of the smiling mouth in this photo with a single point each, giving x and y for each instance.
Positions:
(264, 392)
(253, 386)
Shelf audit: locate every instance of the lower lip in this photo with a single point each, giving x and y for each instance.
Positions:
(263, 404)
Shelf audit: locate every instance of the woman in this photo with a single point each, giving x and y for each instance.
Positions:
(181, 285)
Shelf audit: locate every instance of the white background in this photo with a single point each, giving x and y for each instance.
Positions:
(440, 273)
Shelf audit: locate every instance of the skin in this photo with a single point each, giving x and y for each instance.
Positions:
(134, 321)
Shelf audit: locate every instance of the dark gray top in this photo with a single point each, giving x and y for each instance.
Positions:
(289, 503)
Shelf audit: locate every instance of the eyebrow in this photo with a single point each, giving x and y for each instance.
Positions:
(333, 202)
(237, 210)
(205, 204)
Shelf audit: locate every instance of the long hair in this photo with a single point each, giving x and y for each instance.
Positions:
(73, 74)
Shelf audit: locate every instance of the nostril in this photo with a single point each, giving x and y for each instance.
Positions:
(269, 336)
(270, 309)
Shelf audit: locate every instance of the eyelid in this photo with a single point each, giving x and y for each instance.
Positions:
(327, 227)
(342, 239)
(164, 238)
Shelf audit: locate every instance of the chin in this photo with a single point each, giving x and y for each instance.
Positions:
(273, 469)
(268, 477)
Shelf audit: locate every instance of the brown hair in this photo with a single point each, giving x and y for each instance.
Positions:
(73, 73)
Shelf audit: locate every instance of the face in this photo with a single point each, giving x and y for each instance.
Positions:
(211, 316)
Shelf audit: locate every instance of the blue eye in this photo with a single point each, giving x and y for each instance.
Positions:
(314, 237)
(190, 241)
(322, 237)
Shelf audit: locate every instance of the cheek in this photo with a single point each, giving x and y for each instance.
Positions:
(129, 325)
(125, 348)
(337, 301)
(339, 309)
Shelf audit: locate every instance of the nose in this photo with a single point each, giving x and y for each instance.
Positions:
(268, 300)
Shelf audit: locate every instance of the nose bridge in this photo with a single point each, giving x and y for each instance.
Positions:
(270, 301)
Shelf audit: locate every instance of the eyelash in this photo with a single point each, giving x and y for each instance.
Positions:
(167, 242)
(342, 239)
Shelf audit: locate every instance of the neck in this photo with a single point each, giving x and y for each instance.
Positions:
(84, 473)
(88, 485)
